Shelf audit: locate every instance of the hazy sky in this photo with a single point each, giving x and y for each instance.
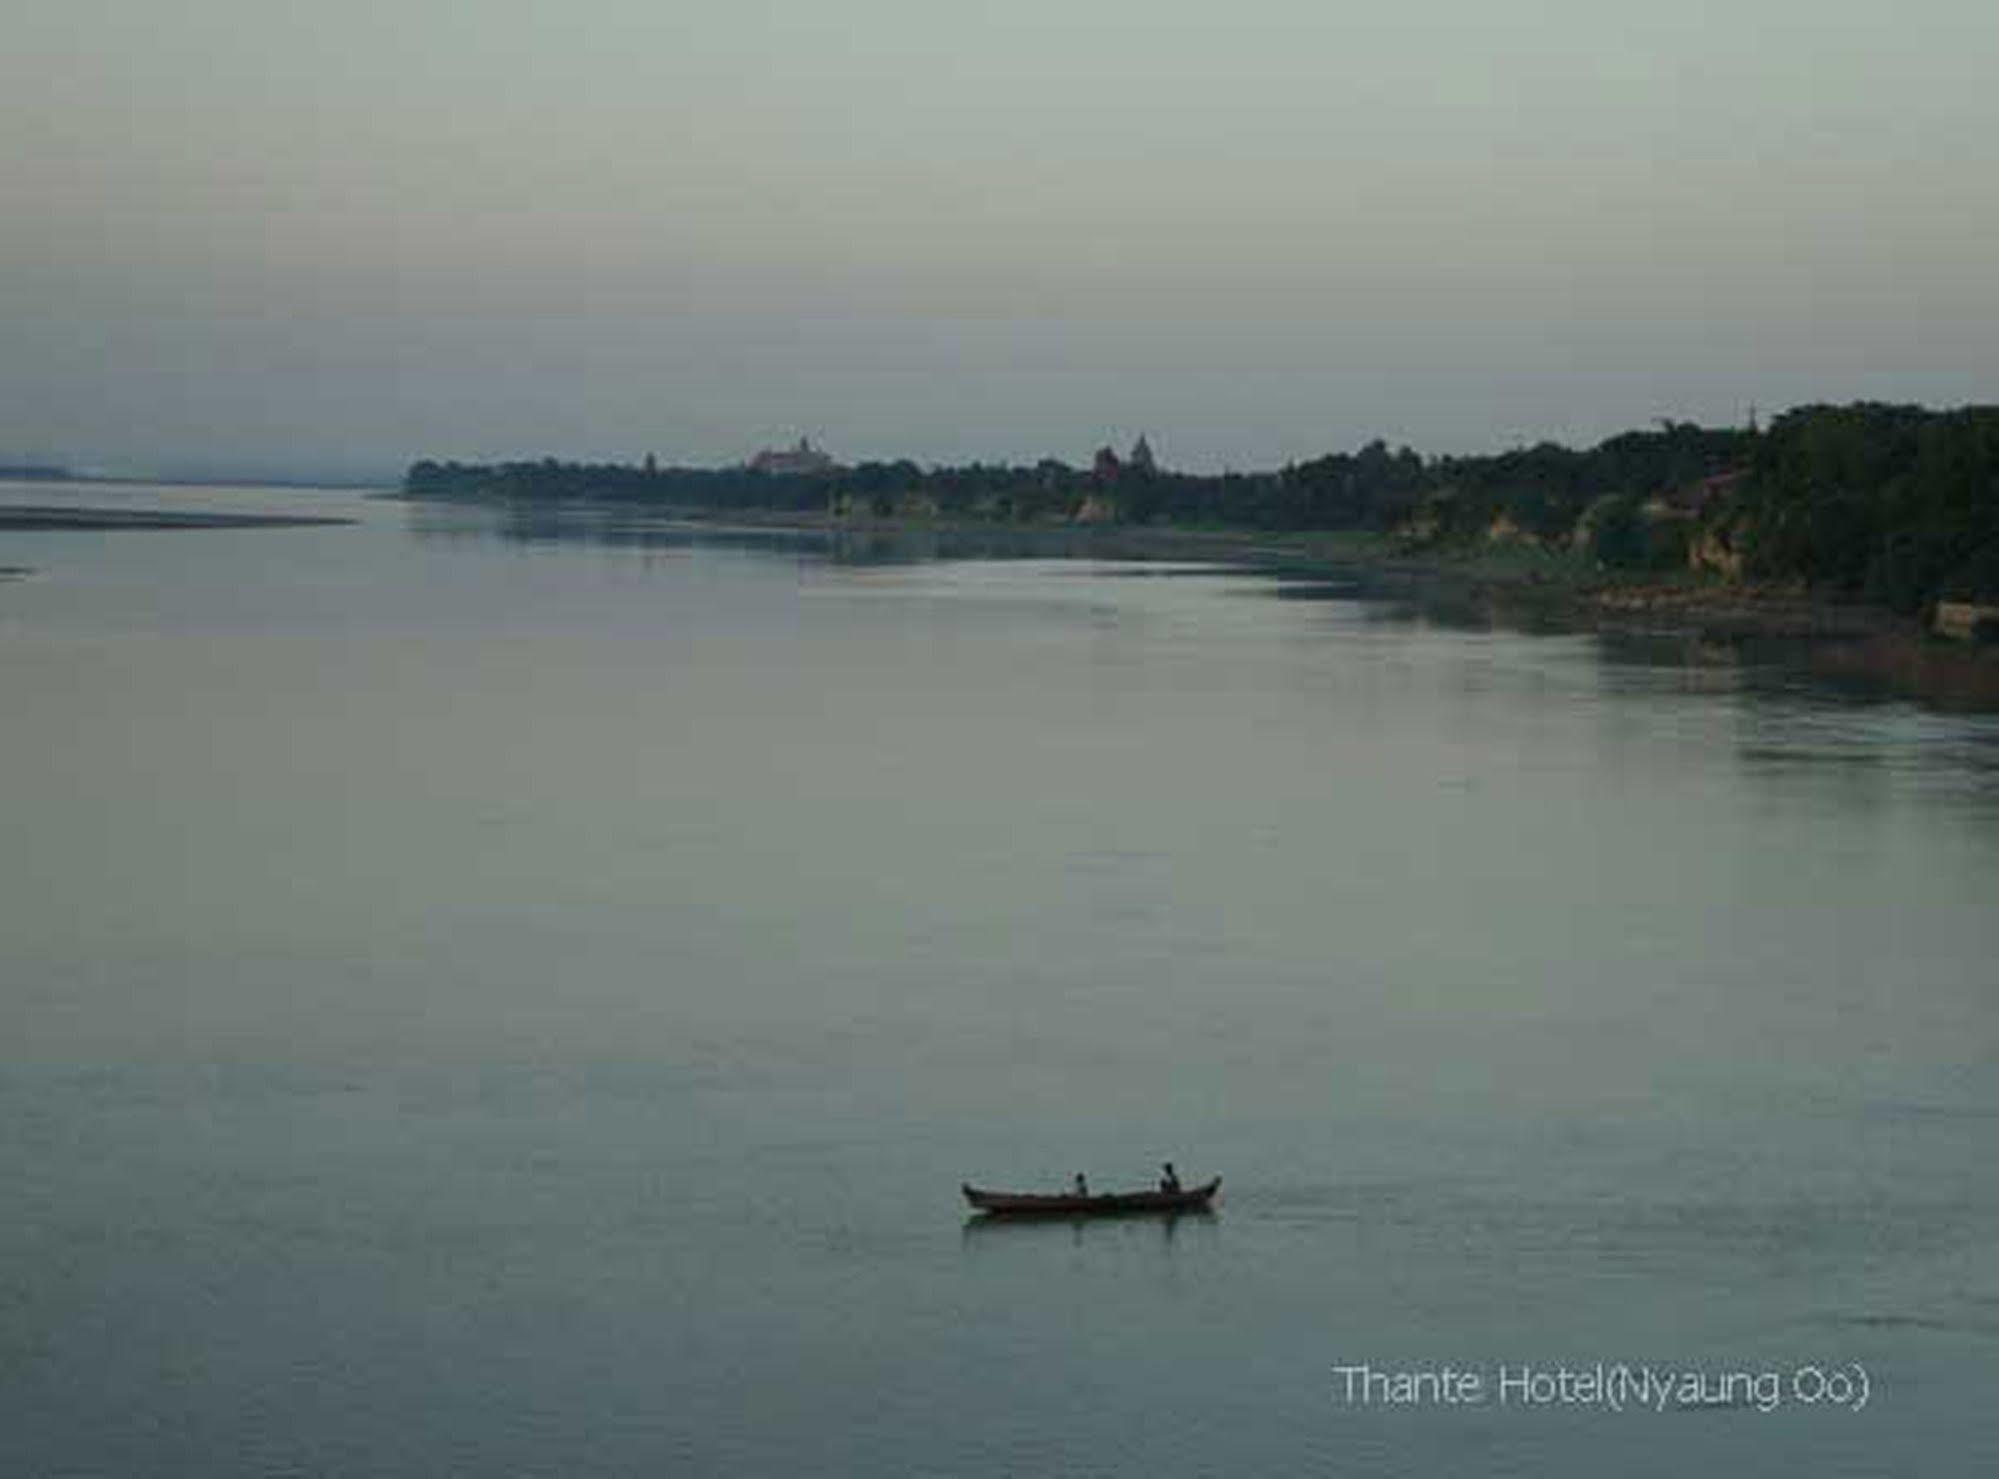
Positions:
(263, 232)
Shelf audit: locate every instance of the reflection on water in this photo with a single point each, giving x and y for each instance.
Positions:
(621, 526)
(1122, 1230)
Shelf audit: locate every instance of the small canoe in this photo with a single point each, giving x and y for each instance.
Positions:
(1109, 1204)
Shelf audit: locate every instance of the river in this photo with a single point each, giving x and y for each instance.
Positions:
(492, 994)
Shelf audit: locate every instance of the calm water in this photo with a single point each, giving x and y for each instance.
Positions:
(520, 997)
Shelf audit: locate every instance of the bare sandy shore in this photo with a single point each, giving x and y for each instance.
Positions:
(42, 517)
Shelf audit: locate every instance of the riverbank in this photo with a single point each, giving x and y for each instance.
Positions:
(1518, 585)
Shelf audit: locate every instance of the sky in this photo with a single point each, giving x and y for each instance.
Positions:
(274, 236)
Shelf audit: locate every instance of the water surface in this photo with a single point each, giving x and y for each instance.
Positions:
(498, 993)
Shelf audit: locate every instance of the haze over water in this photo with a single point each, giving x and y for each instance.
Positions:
(522, 998)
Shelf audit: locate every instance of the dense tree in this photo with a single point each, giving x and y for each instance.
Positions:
(1893, 502)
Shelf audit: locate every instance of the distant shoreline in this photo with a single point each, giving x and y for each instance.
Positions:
(1841, 522)
(1521, 578)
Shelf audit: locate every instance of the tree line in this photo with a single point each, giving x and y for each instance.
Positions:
(1894, 503)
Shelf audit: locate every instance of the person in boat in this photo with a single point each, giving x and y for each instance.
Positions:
(1082, 1186)
(1169, 1179)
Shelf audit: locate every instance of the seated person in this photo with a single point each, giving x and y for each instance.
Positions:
(1170, 1181)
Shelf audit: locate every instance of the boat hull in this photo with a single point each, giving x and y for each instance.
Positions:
(1110, 1204)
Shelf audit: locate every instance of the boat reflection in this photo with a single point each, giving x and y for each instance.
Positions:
(987, 1229)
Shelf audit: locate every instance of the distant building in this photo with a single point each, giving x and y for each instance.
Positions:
(802, 460)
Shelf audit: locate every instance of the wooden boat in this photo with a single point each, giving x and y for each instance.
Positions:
(1107, 1204)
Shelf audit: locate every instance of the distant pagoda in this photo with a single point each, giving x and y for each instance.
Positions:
(1140, 463)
